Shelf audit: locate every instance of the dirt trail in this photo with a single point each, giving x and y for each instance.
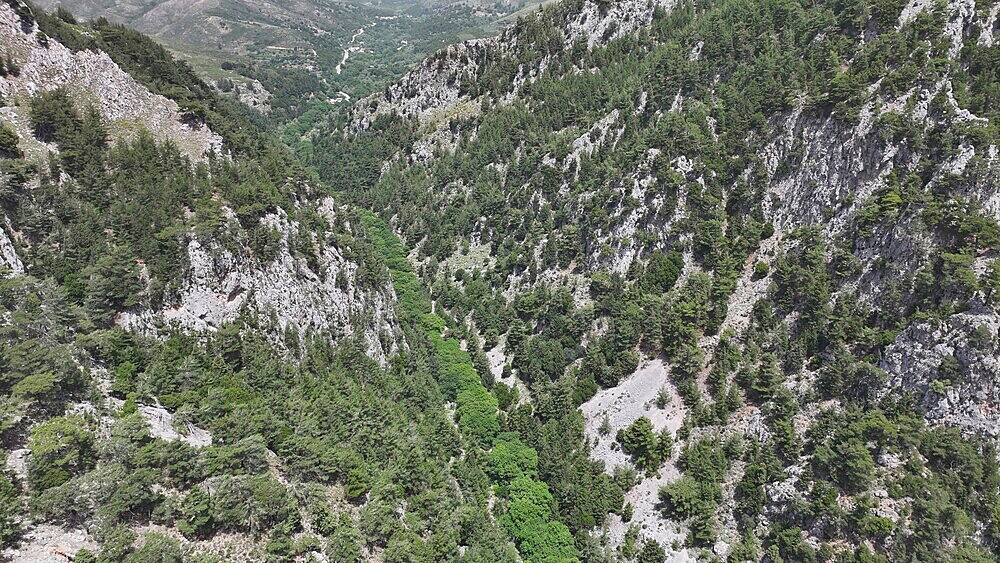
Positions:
(352, 47)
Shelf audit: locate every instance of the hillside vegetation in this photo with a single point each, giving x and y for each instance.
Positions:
(793, 207)
(630, 281)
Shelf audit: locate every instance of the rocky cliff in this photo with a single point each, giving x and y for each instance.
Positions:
(321, 299)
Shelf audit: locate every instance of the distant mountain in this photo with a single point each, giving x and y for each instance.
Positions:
(299, 55)
(230, 26)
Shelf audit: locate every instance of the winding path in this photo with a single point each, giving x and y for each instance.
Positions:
(351, 47)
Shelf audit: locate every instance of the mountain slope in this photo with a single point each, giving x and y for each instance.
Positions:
(94, 77)
(785, 214)
(632, 281)
(296, 60)
(217, 277)
(167, 306)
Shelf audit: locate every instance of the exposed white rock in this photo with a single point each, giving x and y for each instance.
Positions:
(986, 37)
(695, 54)
(600, 22)
(253, 94)
(633, 397)
(912, 9)
(219, 284)
(498, 359)
(224, 546)
(93, 76)
(678, 102)
(962, 13)
(620, 406)
(635, 217)
(444, 139)
(162, 425)
(909, 246)
(834, 166)
(599, 135)
(651, 523)
(17, 462)
(47, 543)
(749, 288)
(8, 256)
(958, 163)
(970, 402)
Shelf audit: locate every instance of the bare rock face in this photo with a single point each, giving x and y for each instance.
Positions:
(953, 368)
(220, 284)
(45, 64)
(48, 543)
(617, 408)
(600, 22)
(8, 256)
(163, 425)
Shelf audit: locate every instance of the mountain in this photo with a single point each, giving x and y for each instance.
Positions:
(80, 103)
(755, 242)
(159, 245)
(628, 281)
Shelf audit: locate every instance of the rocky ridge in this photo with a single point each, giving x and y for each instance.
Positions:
(45, 64)
(219, 285)
(438, 86)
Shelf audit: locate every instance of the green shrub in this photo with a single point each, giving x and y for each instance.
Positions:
(9, 142)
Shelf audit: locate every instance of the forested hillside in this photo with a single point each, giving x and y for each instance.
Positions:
(173, 314)
(770, 232)
(632, 281)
